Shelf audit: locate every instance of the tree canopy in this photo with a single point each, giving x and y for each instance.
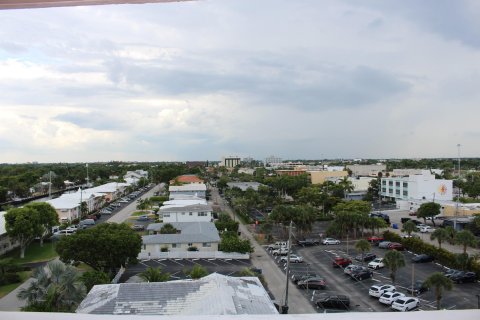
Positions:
(428, 210)
(104, 247)
(22, 225)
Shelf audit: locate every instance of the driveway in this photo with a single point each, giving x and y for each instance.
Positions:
(10, 302)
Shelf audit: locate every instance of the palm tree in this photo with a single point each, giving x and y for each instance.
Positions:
(154, 275)
(409, 227)
(346, 185)
(451, 234)
(441, 235)
(197, 272)
(394, 260)
(57, 288)
(438, 281)
(363, 246)
(465, 238)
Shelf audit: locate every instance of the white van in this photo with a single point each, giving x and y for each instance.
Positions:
(87, 222)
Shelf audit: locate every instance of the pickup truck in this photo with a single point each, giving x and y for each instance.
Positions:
(280, 251)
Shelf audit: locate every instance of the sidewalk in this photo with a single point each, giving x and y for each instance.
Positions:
(274, 277)
(10, 302)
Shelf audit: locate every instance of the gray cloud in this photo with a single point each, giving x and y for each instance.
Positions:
(94, 120)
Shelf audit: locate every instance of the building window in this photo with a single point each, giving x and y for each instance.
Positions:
(405, 193)
(405, 185)
(174, 245)
(191, 213)
(190, 244)
(390, 190)
(397, 192)
(384, 190)
(397, 184)
(390, 183)
(144, 247)
(384, 182)
(166, 215)
(206, 244)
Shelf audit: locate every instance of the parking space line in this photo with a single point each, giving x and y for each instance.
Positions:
(175, 261)
(158, 261)
(208, 260)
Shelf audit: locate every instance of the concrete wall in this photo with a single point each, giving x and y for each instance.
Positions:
(193, 255)
(318, 177)
(169, 217)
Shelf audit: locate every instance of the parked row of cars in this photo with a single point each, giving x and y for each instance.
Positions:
(387, 294)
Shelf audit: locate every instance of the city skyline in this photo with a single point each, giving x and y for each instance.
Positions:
(204, 79)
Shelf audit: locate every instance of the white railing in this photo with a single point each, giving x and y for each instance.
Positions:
(193, 255)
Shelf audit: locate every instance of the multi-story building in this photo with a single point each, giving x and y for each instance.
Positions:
(230, 161)
(367, 170)
(188, 213)
(418, 186)
(273, 159)
(193, 189)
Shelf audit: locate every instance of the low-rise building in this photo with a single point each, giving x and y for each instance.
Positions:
(186, 179)
(245, 185)
(6, 243)
(214, 294)
(193, 189)
(189, 213)
(367, 170)
(201, 235)
(319, 177)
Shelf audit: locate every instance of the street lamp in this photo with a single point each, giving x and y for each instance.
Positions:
(458, 191)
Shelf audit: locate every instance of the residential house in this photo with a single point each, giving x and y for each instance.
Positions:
(6, 243)
(186, 179)
(201, 235)
(244, 185)
(192, 189)
(189, 213)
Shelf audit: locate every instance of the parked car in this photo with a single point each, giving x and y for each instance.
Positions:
(328, 241)
(396, 246)
(451, 272)
(293, 258)
(418, 288)
(411, 235)
(93, 217)
(384, 244)
(361, 274)
(61, 233)
(87, 222)
(405, 304)
(379, 289)
(341, 262)
(308, 242)
(421, 258)
(461, 277)
(280, 251)
(351, 268)
(366, 257)
(374, 239)
(73, 228)
(390, 297)
(143, 218)
(334, 302)
(381, 215)
(376, 264)
(426, 229)
(138, 227)
(277, 245)
(302, 276)
(312, 283)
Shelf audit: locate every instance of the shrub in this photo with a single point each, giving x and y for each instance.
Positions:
(192, 248)
(164, 249)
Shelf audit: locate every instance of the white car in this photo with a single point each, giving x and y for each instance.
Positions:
(328, 241)
(280, 251)
(293, 258)
(376, 264)
(426, 229)
(377, 290)
(390, 297)
(405, 304)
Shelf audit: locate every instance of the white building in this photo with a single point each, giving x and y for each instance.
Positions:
(189, 213)
(193, 189)
(367, 170)
(6, 243)
(184, 201)
(230, 161)
(418, 186)
(273, 159)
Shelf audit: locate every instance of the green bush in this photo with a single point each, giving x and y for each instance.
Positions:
(192, 248)
(158, 198)
(9, 278)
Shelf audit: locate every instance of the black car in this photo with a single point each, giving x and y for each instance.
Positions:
(361, 274)
(312, 283)
(381, 215)
(421, 258)
(418, 287)
(461, 277)
(302, 276)
(367, 257)
(308, 242)
(334, 302)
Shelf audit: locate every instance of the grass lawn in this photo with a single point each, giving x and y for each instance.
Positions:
(35, 253)
(140, 213)
(4, 290)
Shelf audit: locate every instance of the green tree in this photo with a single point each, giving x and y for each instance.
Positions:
(22, 225)
(346, 186)
(439, 282)
(224, 222)
(197, 272)
(168, 228)
(83, 209)
(409, 227)
(154, 275)
(440, 235)
(105, 247)
(428, 210)
(451, 234)
(376, 223)
(46, 216)
(394, 260)
(363, 246)
(94, 277)
(232, 243)
(56, 288)
(465, 238)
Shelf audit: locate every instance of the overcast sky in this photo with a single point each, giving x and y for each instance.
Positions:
(297, 79)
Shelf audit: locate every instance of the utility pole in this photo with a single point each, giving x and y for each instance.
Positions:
(289, 246)
(458, 193)
(413, 279)
(50, 186)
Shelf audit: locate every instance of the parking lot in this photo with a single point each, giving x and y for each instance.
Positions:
(178, 267)
(318, 260)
